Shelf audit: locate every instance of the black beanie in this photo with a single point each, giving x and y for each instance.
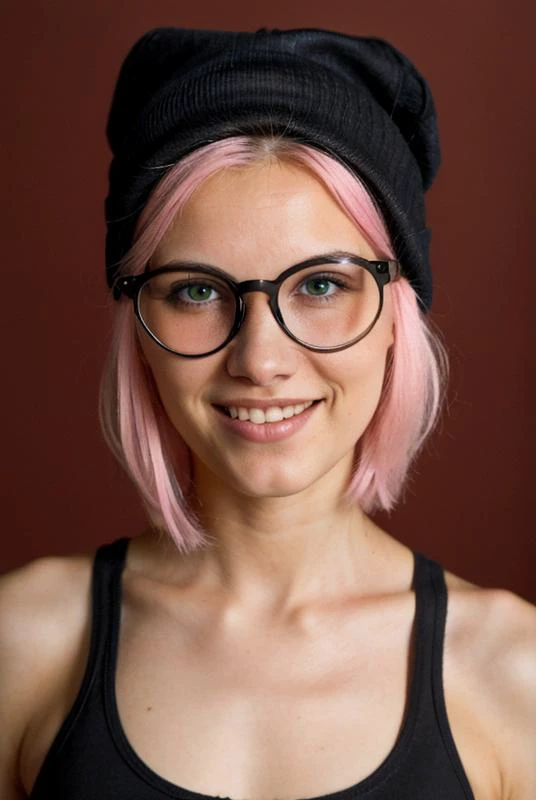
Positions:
(358, 99)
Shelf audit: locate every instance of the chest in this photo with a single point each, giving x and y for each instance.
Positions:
(268, 712)
(274, 712)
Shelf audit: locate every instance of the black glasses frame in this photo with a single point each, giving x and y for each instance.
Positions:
(382, 271)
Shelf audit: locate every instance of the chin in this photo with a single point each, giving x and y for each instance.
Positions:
(277, 485)
(276, 480)
(284, 490)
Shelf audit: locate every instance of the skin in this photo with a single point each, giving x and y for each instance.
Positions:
(300, 597)
(249, 493)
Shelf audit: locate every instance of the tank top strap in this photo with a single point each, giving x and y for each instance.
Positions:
(108, 565)
(430, 623)
(107, 569)
(430, 615)
(113, 614)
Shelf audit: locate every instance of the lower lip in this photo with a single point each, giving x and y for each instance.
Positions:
(269, 431)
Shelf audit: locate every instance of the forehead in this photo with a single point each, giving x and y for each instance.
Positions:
(273, 212)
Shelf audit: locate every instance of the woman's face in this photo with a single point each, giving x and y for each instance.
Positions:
(253, 223)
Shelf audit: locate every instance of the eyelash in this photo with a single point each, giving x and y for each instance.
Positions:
(329, 277)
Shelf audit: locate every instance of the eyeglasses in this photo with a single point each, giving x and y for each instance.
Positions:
(326, 304)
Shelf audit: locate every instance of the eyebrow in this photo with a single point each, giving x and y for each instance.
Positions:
(193, 264)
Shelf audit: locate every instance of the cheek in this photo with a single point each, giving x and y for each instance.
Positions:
(368, 378)
(174, 378)
(377, 353)
(176, 390)
(361, 380)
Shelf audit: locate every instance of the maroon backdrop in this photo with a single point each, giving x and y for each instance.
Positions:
(469, 503)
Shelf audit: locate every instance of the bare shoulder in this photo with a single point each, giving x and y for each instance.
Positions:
(490, 648)
(498, 622)
(44, 634)
(40, 600)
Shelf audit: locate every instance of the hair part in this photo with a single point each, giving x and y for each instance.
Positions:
(133, 419)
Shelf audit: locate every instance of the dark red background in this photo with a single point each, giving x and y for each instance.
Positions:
(469, 505)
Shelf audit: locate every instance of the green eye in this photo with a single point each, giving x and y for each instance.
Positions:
(320, 285)
(199, 292)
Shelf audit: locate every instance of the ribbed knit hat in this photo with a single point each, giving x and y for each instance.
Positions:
(358, 99)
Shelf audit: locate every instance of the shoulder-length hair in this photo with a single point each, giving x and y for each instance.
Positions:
(133, 419)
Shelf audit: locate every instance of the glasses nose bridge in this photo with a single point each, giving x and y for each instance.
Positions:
(265, 286)
(259, 285)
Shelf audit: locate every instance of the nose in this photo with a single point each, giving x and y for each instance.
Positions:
(261, 351)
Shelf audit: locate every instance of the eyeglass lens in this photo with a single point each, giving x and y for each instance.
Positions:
(323, 306)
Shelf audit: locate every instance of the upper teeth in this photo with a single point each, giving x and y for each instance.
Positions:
(272, 414)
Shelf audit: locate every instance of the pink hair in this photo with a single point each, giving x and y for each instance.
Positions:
(134, 421)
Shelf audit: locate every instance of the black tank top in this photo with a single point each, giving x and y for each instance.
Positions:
(91, 758)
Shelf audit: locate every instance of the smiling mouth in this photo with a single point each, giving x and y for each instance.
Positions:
(264, 417)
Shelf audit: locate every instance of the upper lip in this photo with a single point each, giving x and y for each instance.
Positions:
(280, 402)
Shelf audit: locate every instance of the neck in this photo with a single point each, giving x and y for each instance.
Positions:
(274, 554)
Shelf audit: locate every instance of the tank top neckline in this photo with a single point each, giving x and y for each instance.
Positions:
(422, 647)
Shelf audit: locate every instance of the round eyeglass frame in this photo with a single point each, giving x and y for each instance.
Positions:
(383, 272)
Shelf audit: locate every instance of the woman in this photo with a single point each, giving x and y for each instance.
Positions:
(272, 378)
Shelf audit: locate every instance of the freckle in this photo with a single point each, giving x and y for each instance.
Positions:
(149, 708)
